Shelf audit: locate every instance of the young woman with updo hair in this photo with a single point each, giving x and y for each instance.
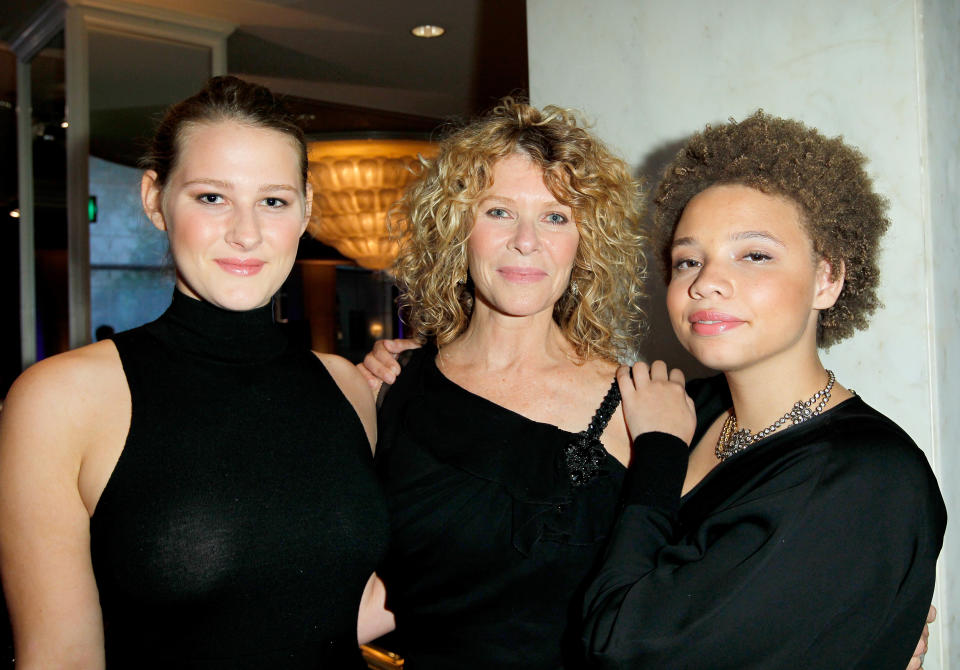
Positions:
(197, 492)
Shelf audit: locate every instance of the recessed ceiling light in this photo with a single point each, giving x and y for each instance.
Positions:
(15, 213)
(427, 30)
(64, 124)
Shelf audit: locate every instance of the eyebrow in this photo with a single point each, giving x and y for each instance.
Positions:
(277, 187)
(503, 198)
(211, 182)
(219, 183)
(757, 234)
(744, 235)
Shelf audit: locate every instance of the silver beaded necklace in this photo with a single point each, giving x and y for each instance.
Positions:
(733, 440)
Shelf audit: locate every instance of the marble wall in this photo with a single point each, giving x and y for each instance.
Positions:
(940, 162)
(878, 72)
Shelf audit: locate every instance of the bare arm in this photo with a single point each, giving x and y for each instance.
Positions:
(44, 525)
(355, 388)
(374, 619)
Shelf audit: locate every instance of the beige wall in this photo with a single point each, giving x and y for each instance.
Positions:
(879, 72)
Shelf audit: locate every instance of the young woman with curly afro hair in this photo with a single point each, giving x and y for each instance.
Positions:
(772, 518)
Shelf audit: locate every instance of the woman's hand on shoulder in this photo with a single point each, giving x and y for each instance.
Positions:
(353, 385)
(654, 400)
(380, 365)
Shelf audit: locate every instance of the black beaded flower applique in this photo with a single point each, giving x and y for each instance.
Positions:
(584, 454)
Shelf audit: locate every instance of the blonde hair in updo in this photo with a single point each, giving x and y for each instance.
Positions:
(599, 313)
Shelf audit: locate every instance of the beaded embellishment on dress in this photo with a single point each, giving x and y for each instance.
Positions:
(584, 454)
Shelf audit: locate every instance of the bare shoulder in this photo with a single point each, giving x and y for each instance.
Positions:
(64, 406)
(594, 377)
(71, 388)
(355, 388)
(348, 378)
(602, 368)
(600, 374)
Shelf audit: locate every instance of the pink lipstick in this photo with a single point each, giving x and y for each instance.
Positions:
(713, 323)
(242, 267)
(521, 275)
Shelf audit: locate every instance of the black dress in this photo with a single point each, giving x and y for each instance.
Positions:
(490, 541)
(243, 517)
(815, 548)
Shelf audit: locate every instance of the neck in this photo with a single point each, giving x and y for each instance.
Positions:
(496, 341)
(204, 329)
(764, 392)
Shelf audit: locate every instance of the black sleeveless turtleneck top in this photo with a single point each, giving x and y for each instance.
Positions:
(243, 517)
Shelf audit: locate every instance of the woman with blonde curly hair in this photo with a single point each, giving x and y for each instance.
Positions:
(502, 448)
(800, 528)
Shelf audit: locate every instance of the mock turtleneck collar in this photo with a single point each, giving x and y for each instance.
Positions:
(201, 329)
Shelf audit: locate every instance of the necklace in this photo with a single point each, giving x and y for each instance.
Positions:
(733, 439)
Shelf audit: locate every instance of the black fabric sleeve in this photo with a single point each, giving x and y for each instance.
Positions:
(656, 473)
(821, 559)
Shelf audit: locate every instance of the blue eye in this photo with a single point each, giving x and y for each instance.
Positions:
(556, 218)
(498, 213)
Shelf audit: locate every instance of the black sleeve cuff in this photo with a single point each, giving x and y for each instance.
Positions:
(657, 470)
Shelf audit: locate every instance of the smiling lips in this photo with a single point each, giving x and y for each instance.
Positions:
(240, 267)
(713, 323)
(521, 275)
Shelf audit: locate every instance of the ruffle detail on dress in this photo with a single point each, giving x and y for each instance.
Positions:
(527, 458)
(583, 457)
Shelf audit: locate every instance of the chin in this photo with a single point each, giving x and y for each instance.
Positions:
(246, 304)
(716, 356)
(239, 301)
(520, 306)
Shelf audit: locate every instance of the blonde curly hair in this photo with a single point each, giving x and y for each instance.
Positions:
(600, 312)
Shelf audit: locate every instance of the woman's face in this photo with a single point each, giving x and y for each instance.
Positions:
(233, 210)
(523, 243)
(745, 287)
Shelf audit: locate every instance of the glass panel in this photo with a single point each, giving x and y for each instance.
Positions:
(48, 88)
(9, 228)
(133, 78)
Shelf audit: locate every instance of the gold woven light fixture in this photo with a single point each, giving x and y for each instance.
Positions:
(355, 182)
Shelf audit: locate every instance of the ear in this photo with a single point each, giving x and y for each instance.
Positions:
(829, 284)
(307, 207)
(151, 196)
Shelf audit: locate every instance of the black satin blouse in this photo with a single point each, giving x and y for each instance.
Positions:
(815, 548)
(490, 541)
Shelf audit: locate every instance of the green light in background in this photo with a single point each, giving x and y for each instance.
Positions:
(92, 209)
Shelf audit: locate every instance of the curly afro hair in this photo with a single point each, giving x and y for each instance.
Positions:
(825, 177)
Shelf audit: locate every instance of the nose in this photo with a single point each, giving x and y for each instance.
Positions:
(711, 280)
(244, 230)
(526, 237)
